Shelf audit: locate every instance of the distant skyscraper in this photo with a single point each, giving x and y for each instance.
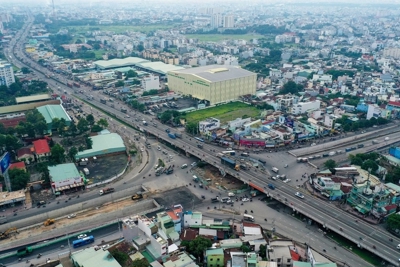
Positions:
(6, 74)
(228, 21)
(216, 21)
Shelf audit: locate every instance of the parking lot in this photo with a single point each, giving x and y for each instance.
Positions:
(103, 168)
(176, 196)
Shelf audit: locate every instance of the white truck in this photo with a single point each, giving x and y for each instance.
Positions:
(275, 169)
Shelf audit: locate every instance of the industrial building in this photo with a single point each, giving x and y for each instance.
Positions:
(65, 177)
(6, 74)
(51, 112)
(103, 144)
(157, 67)
(214, 83)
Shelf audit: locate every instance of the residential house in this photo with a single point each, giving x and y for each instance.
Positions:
(41, 149)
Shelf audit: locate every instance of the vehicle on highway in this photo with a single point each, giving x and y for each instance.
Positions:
(73, 215)
(199, 139)
(82, 236)
(167, 130)
(245, 199)
(300, 195)
(184, 166)
(82, 242)
(398, 246)
(273, 177)
(275, 169)
(271, 186)
(286, 181)
(247, 217)
(225, 199)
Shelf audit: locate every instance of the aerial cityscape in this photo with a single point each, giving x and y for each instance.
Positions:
(188, 133)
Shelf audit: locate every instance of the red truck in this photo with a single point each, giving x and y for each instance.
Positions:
(77, 85)
(69, 85)
(106, 191)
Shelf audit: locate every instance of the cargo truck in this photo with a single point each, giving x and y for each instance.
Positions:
(178, 135)
(171, 135)
(69, 85)
(77, 85)
(106, 191)
(24, 251)
(103, 101)
(137, 196)
(124, 110)
(230, 163)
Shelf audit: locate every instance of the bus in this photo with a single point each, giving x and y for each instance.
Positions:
(229, 152)
(248, 217)
(83, 241)
(199, 139)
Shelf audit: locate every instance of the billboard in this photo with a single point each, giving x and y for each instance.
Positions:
(252, 142)
(5, 162)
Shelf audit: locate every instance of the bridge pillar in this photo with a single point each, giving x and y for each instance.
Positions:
(187, 154)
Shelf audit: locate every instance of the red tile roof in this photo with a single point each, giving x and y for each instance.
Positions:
(18, 165)
(295, 256)
(391, 207)
(394, 103)
(41, 146)
(24, 151)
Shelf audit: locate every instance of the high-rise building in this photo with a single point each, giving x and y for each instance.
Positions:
(6, 74)
(228, 21)
(216, 21)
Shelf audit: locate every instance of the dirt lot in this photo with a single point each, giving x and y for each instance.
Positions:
(217, 180)
(80, 218)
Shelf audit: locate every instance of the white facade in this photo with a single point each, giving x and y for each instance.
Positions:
(373, 111)
(6, 74)
(209, 125)
(304, 107)
(216, 21)
(192, 218)
(228, 21)
(150, 82)
(239, 122)
(393, 52)
(329, 120)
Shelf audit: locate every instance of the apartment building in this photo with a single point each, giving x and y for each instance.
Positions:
(303, 107)
(150, 82)
(6, 74)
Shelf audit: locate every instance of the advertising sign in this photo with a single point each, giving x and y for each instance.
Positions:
(5, 162)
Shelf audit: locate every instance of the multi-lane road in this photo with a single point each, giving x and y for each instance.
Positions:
(368, 236)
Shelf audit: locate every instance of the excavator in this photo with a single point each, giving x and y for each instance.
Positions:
(49, 222)
(6, 234)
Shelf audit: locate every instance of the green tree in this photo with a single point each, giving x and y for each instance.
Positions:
(73, 151)
(354, 160)
(140, 263)
(192, 128)
(120, 257)
(263, 251)
(291, 87)
(90, 119)
(131, 74)
(30, 129)
(81, 148)
(166, 117)
(40, 128)
(57, 154)
(25, 70)
(96, 128)
(73, 129)
(245, 249)
(89, 142)
(83, 125)
(393, 221)
(20, 129)
(102, 123)
(198, 245)
(19, 179)
(61, 126)
(330, 164)
(42, 168)
(54, 123)
(370, 164)
(119, 84)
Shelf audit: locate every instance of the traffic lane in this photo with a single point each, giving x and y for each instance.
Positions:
(357, 236)
(356, 232)
(107, 234)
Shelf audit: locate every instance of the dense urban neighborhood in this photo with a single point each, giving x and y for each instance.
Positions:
(195, 134)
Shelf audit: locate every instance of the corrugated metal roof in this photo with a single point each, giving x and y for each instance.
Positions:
(217, 73)
(118, 62)
(103, 144)
(50, 112)
(24, 99)
(63, 172)
(159, 67)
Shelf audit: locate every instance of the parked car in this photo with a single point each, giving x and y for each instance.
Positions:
(300, 195)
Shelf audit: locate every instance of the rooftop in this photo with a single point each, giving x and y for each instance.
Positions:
(11, 197)
(63, 172)
(159, 67)
(103, 144)
(119, 62)
(41, 146)
(24, 99)
(216, 73)
(18, 165)
(50, 112)
(91, 258)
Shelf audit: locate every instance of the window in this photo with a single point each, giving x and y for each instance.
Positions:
(211, 259)
(288, 260)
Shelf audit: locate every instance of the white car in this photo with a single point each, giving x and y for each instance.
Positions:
(231, 194)
(159, 148)
(71, 216)
(82, 236)
(300, 195)
(273, 178)
(142, 149)
(287, 181)
(245, 199)
(193, 164)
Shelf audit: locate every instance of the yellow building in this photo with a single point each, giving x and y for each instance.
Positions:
(213, 83)
(30, 49)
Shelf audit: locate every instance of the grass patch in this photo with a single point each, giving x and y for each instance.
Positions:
(99, 53)
(362, 253)
(224, 112)
(119, 28)
(221, 37)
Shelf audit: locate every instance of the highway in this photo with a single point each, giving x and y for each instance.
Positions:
(320, 211)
